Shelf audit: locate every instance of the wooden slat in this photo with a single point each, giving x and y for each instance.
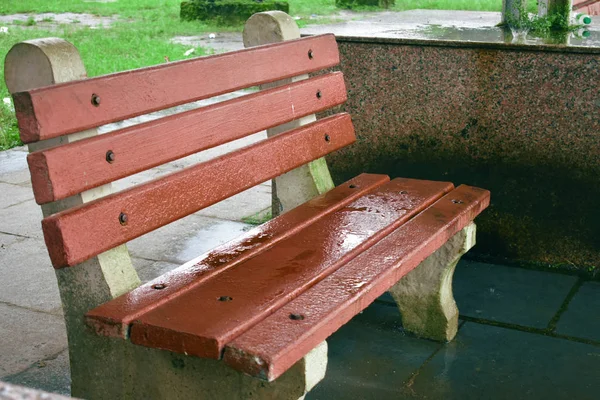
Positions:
(113, 318)
(63, 171)
(200, 323)
(66, 108)
(77, 234)
(276, 343)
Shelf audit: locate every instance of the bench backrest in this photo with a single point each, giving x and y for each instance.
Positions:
(79, 233)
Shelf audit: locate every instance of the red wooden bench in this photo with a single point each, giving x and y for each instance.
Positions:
(258, 306)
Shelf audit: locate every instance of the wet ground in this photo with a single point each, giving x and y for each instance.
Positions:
(52, 21)
(426, 25)
(439, 25)
(456, 26)
(523, 333)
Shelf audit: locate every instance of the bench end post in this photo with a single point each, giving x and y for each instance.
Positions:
(43, 62)
(424, 296)
(304, 183)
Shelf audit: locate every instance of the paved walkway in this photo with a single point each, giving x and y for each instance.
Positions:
(524, 334)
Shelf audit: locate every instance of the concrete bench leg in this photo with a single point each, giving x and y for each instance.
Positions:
(424, 296)
(116, 369)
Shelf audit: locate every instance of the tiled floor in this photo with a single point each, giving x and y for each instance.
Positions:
(524, 334)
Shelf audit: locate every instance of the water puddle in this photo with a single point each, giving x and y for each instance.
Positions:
(458, 26)
(52, 21)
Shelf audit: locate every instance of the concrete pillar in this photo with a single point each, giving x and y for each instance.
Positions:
(511, 10)
(302, 184)
(425, 297)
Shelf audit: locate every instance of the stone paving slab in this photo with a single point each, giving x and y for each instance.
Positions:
(371, 358)
(28, 277)
(51, 375)
(24, 219)
(27, 337)
(582, 317)
(13, 167)
(486, 362)
(7, 240)
(185, 239)
(510, 295)
(14, 194)
(148, 270)
(241, 205)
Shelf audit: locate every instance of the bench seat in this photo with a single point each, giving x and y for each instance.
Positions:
(261, 305)
(262, 302)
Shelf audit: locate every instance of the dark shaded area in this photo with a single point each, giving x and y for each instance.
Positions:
(581, 319)
(372, 357)
(228, 12)
(498, 363)
(364, 3)
(51, 375)
(493, 293)
(522, 124)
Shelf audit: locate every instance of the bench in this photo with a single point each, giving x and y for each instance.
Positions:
(250, 318)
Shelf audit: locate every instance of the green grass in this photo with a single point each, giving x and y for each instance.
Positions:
(142, 37)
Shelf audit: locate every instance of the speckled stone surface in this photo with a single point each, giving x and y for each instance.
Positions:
(521, 121)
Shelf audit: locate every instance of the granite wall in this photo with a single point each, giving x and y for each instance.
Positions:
(522, 123)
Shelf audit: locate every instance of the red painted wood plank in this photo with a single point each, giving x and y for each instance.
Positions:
(201, 321)
(113, 318)
(276, 343)
(70, 107)
(77, 234)
(579, 4)
(66, 170)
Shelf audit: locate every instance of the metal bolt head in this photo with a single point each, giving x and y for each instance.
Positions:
(95, 100)
(310, 54)
(123, 219)
(296, 317)
(110, 156)
(159, 286)
(457, 201)
(319, 94)
(225, 298)
(352, 186)
(327, 138)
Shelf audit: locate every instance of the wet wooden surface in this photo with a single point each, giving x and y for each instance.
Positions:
(77, 234)
(276, 343)
(66, 170)
(57, 110)
(113, 318)
(201, 321)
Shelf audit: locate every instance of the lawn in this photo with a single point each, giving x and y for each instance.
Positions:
(142, 35)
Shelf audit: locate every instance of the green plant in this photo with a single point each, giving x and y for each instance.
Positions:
(30, 21)
(556, 20)
(9, 132)
(259, 218)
